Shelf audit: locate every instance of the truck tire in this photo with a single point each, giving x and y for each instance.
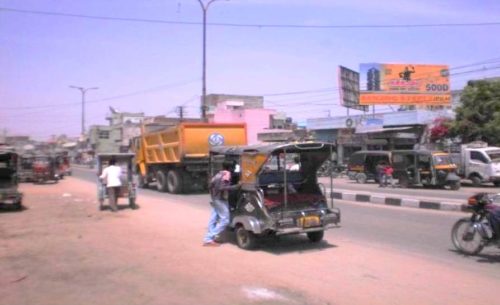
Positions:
(476, 181)
(174, 182)
(161, 181)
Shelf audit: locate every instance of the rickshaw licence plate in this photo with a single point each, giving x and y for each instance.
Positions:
(309, 221)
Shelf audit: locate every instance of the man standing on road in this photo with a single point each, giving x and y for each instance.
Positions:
(111, 177)
(380, 172)
(219, 218)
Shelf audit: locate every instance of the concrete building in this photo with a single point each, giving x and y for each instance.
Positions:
(244, 101)
(382, 131)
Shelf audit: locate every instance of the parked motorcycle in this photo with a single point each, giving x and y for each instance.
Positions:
(471, 235)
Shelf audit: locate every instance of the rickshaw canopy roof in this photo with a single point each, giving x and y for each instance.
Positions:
(269, 148)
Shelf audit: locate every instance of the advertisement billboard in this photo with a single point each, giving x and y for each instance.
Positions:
(349, 88)
(404, 84)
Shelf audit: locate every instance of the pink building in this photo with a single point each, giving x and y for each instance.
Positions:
(257, 119)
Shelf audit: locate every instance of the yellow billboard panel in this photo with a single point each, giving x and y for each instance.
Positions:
(405, 84)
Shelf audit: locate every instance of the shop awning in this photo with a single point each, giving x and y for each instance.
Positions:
(382, 129)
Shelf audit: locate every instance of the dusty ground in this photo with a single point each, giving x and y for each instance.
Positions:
(62, 250)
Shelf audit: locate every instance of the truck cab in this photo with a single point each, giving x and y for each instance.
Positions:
(480, 163)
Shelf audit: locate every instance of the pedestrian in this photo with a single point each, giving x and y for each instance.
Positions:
(380, 168)
(388, 170)
(219, 188)
(111, 178)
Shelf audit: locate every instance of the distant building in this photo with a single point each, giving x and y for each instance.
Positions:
(243, 101)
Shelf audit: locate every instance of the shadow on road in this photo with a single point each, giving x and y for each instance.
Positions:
(281, 245)
(11, 209)
(481, 257)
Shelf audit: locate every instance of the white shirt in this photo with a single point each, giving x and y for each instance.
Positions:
(295, 167)
(111, 176)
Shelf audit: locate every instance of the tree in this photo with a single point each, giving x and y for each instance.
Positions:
(478, 116)
(440, 129)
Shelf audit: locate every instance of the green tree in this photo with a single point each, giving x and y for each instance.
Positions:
(478, 116)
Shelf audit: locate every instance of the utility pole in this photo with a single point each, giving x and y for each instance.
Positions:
(204, 8)
(83, 91)
(180, 109)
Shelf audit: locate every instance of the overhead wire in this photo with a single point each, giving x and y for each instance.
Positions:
(252, 25)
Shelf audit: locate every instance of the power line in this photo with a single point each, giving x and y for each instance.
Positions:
(154, 89)
(252, 25)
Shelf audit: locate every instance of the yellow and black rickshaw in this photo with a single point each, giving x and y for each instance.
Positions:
(277, 195)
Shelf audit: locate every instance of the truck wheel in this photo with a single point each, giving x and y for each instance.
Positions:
(174, 182)
(161, 181)
(315, 236)
(476, 181)
(18, 205)
(246, 240)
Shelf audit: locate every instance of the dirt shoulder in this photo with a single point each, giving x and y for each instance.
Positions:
(62, 250)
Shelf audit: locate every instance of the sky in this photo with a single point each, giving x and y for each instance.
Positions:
(153, 67)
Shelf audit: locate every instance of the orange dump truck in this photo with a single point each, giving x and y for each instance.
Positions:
(176, 157)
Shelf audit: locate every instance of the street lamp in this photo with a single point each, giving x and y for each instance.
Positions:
(83, 91)
(204, 7)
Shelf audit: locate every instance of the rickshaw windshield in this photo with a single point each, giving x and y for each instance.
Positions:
(441, 159)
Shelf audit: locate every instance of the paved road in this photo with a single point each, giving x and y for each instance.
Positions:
(416, 232)
(465, 191)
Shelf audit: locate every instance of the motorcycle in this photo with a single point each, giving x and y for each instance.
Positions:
(471, 235)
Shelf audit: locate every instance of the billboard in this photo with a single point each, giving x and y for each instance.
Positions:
(404, 84)
(349, 88)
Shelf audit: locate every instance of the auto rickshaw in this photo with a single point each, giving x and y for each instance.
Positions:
(128, 188)
(45, 169)
(424, 167)
(277, 197)
(362, 164)
(25, 172)
(9, 194)
(62, 165)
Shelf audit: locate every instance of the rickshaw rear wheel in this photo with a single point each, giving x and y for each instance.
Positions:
(315, 236)
(131, 203)
(361, 178)
(455, 185)
(245, 239)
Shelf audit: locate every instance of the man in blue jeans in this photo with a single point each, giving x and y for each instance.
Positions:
(219, 217)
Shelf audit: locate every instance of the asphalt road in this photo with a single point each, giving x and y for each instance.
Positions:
(461, 195)
(420, 233)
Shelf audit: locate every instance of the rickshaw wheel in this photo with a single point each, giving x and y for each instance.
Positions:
(315, 236)
(246, 240)
(131, 203)
(455, 186)
(361, 178)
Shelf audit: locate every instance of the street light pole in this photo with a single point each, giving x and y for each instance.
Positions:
(83, 91)
(204, 8)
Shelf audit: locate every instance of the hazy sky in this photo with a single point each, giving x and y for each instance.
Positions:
(154, 67)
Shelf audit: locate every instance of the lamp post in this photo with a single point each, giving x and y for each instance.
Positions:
(83, 91)
(204, 8)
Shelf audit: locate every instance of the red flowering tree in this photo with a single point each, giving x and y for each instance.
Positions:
(440, 129)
